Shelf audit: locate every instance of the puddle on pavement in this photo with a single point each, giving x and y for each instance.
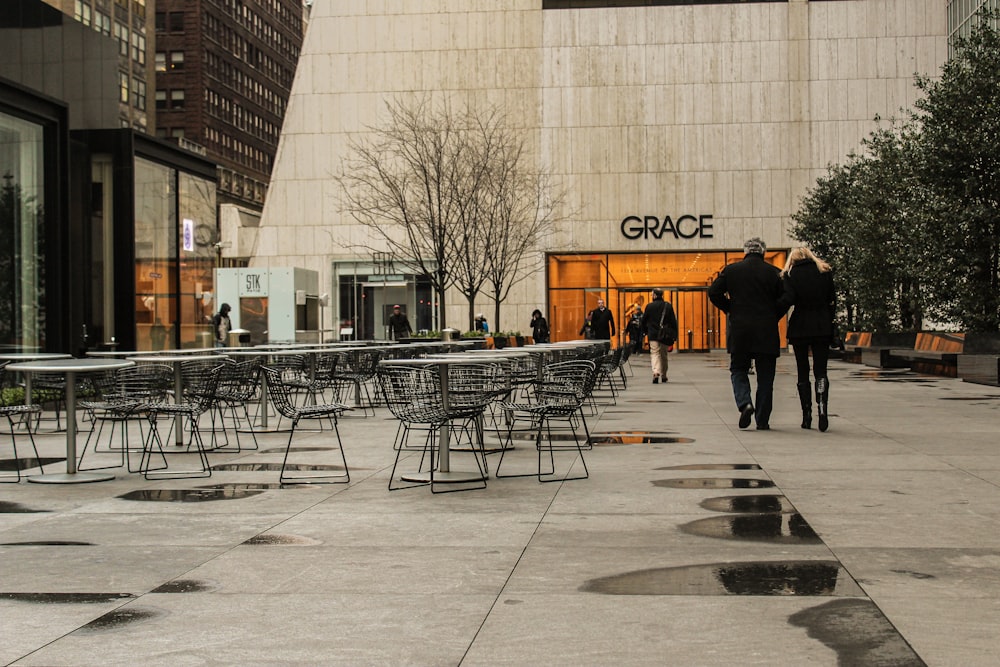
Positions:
(281, 450)
(713, 483)
(252, 486)
(183, 586)
(859, 633)
(188, 495)
(120, 617)
(774, 528)
(7, 507)
(612, 440)
(272, 467)
(713, 466)
(968, 398)
(47, 543)
(748, 504)
(13, 465)
(795, 577)
(66, 598)
(890, 376)
(601, 434)
(274, 539)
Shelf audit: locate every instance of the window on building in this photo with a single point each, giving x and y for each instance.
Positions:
(123, 87)
(175, 22)
(161, 100)
(139, 94)
(161, 21)
(138, 48)
(176, 99)
(121, 32)
(177, 133)
(82, 13)
(161, 61)
(176, 60)
(103, 23)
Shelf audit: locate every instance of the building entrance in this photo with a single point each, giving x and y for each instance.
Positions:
(624, 281)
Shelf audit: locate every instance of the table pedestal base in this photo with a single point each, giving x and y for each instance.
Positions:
(71, 478)
(451, 477)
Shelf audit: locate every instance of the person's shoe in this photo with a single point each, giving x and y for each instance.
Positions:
(763, 427)
(664, 379)
(656, 379)
(746, 414)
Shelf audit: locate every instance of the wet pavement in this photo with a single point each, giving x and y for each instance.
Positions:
(692, 543)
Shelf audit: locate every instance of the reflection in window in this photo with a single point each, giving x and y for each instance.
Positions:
(155, 252)
(22, 269)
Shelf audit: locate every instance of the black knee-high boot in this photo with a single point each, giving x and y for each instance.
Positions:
(805, 398)
(822, 398)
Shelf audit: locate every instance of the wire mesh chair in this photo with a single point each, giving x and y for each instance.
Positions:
(281, 396)
(121, 398)
(413, 395)
(559, 395)
(11, 410)
(201, 380)
(356, 370)
(609, 371)
(239, 382)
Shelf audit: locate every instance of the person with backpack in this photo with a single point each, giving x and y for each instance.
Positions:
(659, 322)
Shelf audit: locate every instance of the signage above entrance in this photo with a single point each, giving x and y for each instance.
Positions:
(686, 227)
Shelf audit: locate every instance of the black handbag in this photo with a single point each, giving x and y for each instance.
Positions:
(664, 335)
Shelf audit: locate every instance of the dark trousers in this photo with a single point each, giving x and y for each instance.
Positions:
(820, 348)
(739, 372)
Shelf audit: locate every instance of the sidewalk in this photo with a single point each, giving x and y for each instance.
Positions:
(881, 536)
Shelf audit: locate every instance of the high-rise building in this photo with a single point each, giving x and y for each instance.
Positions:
(223, 71)
(131, 23)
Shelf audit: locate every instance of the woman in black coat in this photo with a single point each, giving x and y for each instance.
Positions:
(539, 327)
(808, 286)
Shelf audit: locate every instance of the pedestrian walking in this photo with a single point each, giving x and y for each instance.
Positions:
(399, 324)
(659, 323)
(635, 330)
(748, 292)
(539, 327)
(809, 291)
(222, 325)
(602, 322)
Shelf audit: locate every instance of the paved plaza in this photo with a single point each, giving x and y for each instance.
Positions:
(692, 543)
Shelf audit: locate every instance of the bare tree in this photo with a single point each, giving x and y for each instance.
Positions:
(523, 209)
(399, 182)
(453, 194)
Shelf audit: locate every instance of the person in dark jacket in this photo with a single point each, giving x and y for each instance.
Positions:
(748, 292)
(399, 324)
(808, 287)
(601, 321)
(539, 327)
(650, 324)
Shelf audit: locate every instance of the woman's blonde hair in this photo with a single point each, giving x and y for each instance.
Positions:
(800, 253)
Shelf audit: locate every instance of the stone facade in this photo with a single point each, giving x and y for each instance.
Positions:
(728, 110)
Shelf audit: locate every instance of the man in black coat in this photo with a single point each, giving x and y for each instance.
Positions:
(658, 310)
(602, 322)
(748, 292)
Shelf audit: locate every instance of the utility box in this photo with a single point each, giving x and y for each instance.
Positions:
(270, 303)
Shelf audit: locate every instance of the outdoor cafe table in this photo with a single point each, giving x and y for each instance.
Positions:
(176, 360)
(70, 367)
(30, 356)
(443, 361)
(278, 351)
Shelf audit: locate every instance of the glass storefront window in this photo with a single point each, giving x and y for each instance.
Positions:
(623, 280)
(175, 237)
(155, 255)
(22, 267)
(197, 259)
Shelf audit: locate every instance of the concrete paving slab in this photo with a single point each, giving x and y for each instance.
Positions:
(902, 493)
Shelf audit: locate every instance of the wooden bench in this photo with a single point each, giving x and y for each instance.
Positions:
(873, 349)
(933, 352)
